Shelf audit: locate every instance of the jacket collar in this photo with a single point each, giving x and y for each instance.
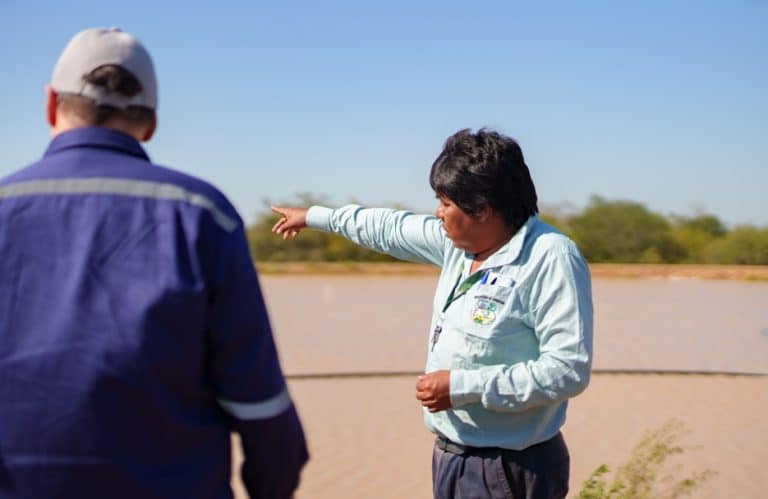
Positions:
(96, 137)
(511, 250)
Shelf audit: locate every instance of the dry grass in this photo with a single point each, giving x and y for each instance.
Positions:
(347, 268)
(601, 270)
(720, 272)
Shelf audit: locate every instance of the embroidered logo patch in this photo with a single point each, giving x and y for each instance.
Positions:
(484, 312)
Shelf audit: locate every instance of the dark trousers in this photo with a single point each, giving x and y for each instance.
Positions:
(538, 472)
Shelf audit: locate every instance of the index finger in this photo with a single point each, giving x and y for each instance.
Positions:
(279, 210)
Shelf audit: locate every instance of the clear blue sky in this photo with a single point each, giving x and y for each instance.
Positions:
(661, 102)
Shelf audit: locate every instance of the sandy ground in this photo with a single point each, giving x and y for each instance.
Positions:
(366, 436)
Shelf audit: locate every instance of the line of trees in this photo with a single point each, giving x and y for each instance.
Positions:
(605, 231)
(310, 246)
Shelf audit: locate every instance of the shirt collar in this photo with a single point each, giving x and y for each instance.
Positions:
(511, 249)
(98, 137)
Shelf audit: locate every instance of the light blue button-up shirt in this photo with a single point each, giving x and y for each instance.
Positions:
(518, 343)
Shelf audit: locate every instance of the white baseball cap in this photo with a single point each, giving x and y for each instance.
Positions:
(96, 47)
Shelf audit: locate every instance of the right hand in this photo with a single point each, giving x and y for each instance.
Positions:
(291, 223)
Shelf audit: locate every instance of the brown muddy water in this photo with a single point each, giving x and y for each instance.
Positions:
(330, 324)
(366, 435)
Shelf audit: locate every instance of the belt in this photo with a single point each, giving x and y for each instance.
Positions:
(460, 449)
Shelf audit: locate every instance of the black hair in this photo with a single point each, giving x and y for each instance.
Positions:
(115, 80)
(485, 168)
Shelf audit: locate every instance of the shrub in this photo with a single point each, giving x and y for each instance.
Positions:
(641, 476)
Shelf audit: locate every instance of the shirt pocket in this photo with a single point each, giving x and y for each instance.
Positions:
(493, 328)
(487, 309)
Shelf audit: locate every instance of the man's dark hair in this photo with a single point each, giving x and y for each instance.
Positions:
(485, 169)
(115, 80)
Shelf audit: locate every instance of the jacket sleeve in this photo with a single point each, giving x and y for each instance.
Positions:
(398, 233)
(247, 377)
(560, 311)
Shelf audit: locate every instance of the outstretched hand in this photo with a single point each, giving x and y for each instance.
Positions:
(291, 223)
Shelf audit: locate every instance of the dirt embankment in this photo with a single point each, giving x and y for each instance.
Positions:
(600, 270)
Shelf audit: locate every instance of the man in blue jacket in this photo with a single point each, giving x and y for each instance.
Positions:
(133, 334)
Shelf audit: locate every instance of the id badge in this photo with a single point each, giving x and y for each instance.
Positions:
(436, 332)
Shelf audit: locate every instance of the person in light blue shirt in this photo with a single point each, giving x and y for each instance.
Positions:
(510, 339)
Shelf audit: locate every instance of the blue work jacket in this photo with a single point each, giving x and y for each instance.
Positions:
(133, 334)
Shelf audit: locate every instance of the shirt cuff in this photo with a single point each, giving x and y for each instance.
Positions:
(319, 217)
(466, 387)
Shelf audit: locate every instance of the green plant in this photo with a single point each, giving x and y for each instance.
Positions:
(641, 477)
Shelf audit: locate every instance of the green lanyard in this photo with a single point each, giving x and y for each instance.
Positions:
(463, 288)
